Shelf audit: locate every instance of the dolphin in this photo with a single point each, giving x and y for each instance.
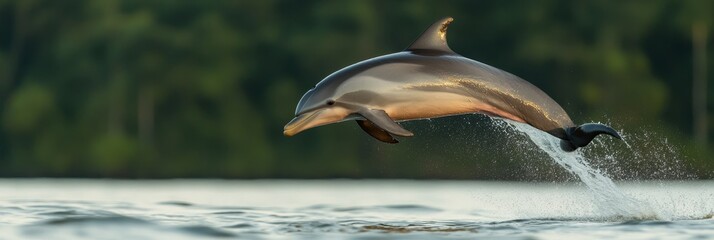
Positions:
(429, 80)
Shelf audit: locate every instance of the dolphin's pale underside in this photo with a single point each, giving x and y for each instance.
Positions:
(429, 80)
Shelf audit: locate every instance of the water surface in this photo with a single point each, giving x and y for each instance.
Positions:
(345, 209)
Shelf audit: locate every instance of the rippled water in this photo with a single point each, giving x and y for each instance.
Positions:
(343, 209)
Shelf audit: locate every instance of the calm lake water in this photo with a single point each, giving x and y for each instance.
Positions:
(346, 209)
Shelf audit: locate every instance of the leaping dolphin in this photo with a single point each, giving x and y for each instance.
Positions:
(429, 80)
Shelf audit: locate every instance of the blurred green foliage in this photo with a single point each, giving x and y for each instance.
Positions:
(135, 88)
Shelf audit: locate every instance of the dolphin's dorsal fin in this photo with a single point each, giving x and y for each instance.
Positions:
(434, 38)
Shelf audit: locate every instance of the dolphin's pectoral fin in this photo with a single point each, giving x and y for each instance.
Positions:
(376, 132)
(382, 120)
(434, 38)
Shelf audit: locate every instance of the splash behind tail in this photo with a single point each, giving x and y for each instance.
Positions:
(582, 135)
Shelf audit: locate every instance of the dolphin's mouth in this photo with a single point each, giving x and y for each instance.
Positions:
(301, 122)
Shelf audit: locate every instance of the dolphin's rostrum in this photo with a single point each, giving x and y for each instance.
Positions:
(429, 80)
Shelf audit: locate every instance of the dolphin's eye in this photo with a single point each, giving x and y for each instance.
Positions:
(330, 102)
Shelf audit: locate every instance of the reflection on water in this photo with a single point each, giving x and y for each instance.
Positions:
(367, 209)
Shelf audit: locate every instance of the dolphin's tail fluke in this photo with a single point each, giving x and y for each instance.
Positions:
(582, 135)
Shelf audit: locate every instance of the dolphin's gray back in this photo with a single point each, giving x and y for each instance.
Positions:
(427, 73)
(510, 93)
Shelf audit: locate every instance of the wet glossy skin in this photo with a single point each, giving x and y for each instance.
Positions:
(428, 80)
(427, 84)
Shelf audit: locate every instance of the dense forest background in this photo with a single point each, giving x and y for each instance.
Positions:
(153, 89)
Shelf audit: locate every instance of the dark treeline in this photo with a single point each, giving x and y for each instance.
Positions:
(136, 88)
